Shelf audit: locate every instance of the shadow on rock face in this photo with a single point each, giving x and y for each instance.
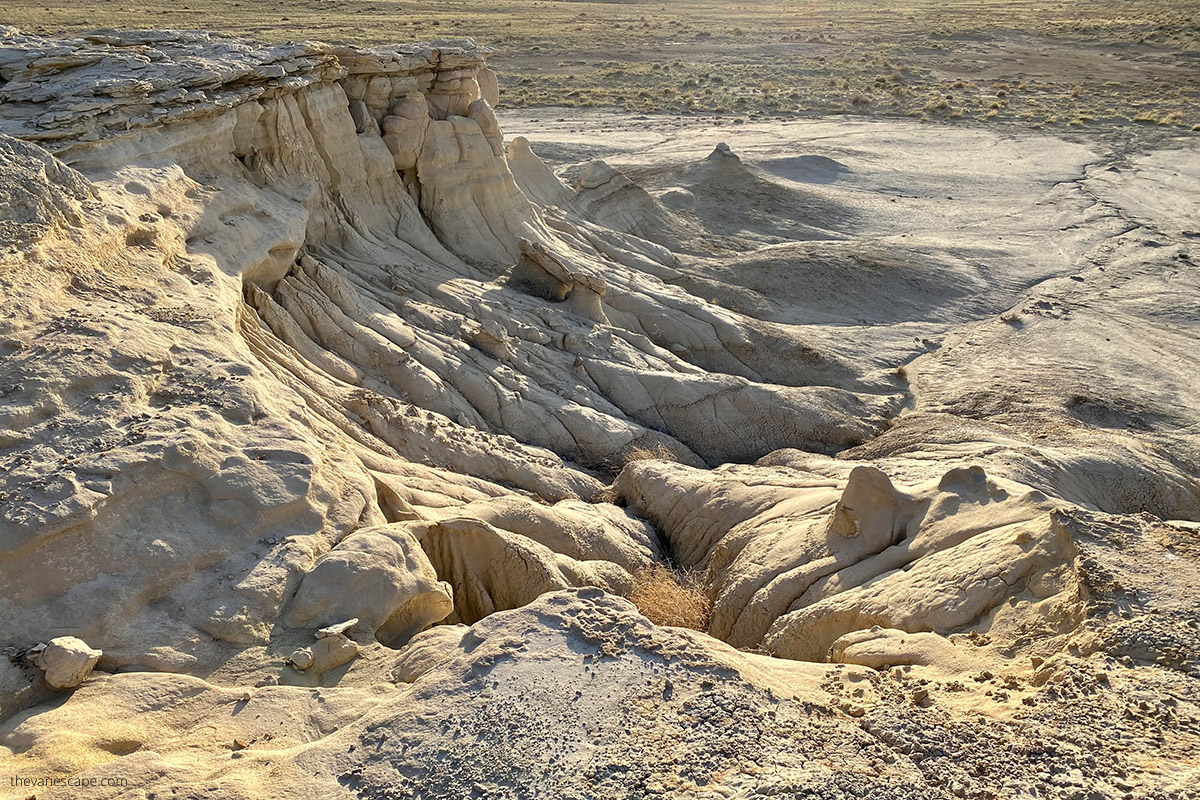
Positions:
(806, 169)
(723, 203)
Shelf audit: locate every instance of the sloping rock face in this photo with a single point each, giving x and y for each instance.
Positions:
(281, 313)
(293, 341)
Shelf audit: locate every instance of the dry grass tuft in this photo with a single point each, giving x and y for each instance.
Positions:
(608, 495)
(670, 597)
(658, 451)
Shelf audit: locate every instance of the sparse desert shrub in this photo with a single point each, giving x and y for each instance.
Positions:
(657, 452)
(671, 597)
(608, 495)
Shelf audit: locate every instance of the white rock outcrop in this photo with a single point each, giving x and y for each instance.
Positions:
(307, 303)
(796, 560)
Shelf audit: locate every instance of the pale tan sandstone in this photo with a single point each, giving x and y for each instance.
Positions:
(293, 342)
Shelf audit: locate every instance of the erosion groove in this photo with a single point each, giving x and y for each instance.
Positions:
(322, 401)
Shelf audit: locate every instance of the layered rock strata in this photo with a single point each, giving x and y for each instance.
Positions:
(295, 346)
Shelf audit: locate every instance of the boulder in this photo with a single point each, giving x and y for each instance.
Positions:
(67, 661)
(328, 653)
(378, 575)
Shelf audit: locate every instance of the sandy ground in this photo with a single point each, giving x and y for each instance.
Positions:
(1004, 206)
(975, 255)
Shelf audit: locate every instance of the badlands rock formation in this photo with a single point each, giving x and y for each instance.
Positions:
(335, 431)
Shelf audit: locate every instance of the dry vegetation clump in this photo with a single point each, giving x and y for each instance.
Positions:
(671, 597)
(638, 452)
(658, 452)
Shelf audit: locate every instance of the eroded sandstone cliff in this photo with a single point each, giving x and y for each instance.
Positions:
(292, 338)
